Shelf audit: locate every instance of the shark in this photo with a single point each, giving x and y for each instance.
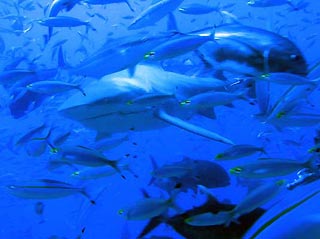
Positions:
(120, 103)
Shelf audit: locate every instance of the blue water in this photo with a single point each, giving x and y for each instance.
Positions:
(73, 216)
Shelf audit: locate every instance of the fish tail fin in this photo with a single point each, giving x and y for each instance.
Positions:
(293, 6)
(127, 167)
(154, 167)
(78, 87)
(89, 27)
(88, 192)
(129, 5)
(53, 149)
(61, 59)
(115, 165)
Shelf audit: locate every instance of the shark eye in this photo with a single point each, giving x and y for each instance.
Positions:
(294, 57)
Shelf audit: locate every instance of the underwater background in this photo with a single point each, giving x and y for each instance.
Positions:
(128, 145)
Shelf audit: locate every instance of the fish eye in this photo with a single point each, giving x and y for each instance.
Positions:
(236, 170)
(219, 156)
(120, 211)
(178, 185)
(295, 57)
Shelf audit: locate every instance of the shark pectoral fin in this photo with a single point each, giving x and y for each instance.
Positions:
(207, 112)
(190, 127)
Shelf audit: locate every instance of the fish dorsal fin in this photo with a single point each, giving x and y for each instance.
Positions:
(145, 193)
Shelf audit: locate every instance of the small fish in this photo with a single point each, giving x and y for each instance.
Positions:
(99, 172)
(291, 119)
(94, 173)
(53, 87)
(267, 3)
(45, 189)
(211, 99)
(103, 2)
(77, 154)
(272, 3)
(285, 78)
(64, 21)
(26, 137)
(239, 151)
(178, 45)
(256, 198)
(39, 209)
(154, 13)
(270, 167)
(198, 9)
(148, 208)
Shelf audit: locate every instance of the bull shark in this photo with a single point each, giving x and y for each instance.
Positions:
(148, 100)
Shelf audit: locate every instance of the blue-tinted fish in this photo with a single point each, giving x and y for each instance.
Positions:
(64, 21)
(239, 151)
(270, 3)
(177, 45)
(197, 9)
(148, 208)
(53, 87)
(270, 167)
(102, 2)
(45, 189)
(154, 13)
(80, 155)
(284, 78)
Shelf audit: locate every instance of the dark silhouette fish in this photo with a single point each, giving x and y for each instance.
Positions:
(198, 172)
(207, 232)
